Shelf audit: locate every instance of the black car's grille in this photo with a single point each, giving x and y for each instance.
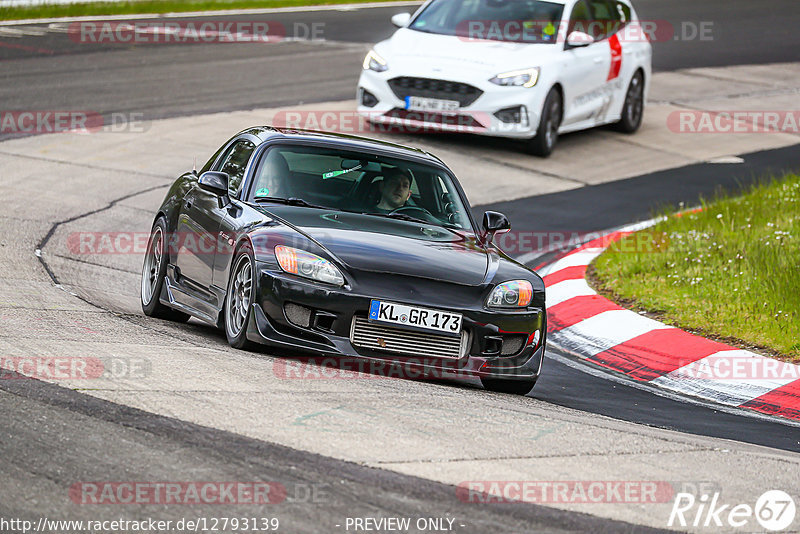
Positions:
(384, 338)
(429, 88)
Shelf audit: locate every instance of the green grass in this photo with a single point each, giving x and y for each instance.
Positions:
(135, 7)
(730, 271)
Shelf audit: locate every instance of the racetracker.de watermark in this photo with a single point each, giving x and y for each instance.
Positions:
(560, 492)
(177, 493)
(347, 368)
(175, 244)
(546, 31)
(193, 32)
(72, 367)
(514, 243)
(737, 365)
(28, 122)
(734, 122)
(198, 492)
(517, 243)
(396, 121)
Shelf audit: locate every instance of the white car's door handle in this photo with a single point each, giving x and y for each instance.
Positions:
(598, 59)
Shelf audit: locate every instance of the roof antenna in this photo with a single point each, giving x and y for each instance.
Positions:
(194, 165)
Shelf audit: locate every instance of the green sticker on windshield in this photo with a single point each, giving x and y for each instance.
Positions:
(549, 29)
(263, 192)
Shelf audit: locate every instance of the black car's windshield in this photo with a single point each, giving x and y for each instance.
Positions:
(359, 182)
(529, 21)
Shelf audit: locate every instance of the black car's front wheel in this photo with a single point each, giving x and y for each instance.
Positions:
(239, 299)
(154, 269)
(515, 387)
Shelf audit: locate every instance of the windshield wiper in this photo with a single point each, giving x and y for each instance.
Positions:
(400, 216)
(403, 217)
(291, 201)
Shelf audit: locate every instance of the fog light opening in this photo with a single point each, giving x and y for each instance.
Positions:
(297, 315)
(368, 99)
(513, 115)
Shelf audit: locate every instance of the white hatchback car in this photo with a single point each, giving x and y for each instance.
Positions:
(526, 69)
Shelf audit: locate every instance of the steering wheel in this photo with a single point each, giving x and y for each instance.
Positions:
(416, 211)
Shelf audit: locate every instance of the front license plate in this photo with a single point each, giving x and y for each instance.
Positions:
(418, 103)
(414, 317)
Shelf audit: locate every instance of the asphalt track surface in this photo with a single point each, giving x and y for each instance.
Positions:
(52, 436)
(163, 81)
(69, 436)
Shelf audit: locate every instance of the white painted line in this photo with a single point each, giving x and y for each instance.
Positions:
(220, 13)
(730, 377)
(563, 291)
(726, 160)
(606, 330)
(10, 32)
(57, 27)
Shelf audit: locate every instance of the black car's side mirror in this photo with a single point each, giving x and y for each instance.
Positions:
(216, 183)
(495, 223)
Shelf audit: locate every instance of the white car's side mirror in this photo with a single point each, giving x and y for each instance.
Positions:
(578, 39)
(401, 20)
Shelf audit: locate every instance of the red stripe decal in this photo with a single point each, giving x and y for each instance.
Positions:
(783, 402)
(572, 311)
(616, 57)
(657, 353)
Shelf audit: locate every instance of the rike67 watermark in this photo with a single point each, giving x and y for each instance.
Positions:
(774, 510)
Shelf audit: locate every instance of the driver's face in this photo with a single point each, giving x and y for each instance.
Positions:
(395, 191)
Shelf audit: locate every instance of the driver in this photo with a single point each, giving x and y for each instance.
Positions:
(395, 190)
(273, 181)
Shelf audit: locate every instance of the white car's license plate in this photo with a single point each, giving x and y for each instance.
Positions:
(418, 103)
(411, 316)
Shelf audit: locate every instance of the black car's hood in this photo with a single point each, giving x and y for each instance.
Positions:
(378, 244)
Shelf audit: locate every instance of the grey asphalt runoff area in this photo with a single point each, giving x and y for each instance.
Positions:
(358, 448)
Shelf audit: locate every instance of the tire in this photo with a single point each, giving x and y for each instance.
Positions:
(547, 134)
(239, 299)
(633, 109)
(514, 387)
(154, 269)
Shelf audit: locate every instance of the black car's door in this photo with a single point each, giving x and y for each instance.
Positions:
(200, 218)
(237, 216)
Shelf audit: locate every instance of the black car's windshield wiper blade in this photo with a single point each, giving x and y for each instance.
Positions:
(400, 216)
(403, 217)
(291, 201)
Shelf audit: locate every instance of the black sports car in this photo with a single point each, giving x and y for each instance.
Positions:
(339, 245)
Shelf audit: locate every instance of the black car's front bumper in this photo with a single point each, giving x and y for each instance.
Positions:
(328, 332)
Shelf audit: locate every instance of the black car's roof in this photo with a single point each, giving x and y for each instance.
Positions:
(266, 133)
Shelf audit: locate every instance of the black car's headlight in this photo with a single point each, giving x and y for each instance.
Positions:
(517, 78)
(308, 265)
(372, 61)
(513, 294)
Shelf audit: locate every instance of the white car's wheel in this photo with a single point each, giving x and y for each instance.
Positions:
(633, 109)
(547, 134)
